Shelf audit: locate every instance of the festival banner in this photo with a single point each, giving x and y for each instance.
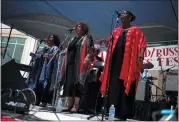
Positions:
(165, 56)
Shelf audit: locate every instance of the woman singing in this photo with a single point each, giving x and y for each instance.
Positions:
(123, 70)
(77, 63)
(42, 77)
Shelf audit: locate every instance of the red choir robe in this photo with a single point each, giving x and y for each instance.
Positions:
(85, 56)
(130, 71)
(83, 67)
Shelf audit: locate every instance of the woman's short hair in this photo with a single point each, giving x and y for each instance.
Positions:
(133, 16)
(56, 40)
(84, 26)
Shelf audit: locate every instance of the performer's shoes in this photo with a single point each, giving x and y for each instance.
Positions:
(66, 110)
(74, 110)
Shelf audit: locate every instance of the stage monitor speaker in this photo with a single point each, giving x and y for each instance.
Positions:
(171, 87)
(140, 94)
(15, 101)
(11, 76)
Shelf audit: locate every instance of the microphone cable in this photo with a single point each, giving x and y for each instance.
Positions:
(174, 10)
(96, 103)
(112, 23)
(59, 12)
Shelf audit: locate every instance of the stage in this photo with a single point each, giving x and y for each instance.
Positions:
(45, 114)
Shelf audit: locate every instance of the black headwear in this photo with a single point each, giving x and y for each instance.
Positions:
(133, 16)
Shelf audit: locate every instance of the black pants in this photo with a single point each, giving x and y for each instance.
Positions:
(43, 95)
(123, 103)
(92, 101)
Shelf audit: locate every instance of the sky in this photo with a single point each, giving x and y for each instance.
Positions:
(98, 14)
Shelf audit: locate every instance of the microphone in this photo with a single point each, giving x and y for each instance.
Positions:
(71, 29)
(118, 13)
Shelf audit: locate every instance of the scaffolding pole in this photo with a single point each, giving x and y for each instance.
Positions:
(7, 42)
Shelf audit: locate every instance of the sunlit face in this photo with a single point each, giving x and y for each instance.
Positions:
(125, 17)
(80, 30)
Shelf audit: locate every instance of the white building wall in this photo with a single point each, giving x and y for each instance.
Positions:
(30, 46)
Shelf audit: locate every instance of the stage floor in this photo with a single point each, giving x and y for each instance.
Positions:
(46, 114)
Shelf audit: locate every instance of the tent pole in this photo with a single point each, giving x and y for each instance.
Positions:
(7, 42)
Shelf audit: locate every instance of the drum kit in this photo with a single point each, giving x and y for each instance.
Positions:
(100, 65)
(149, 66)
(96, 69)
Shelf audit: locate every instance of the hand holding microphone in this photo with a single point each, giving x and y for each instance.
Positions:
(43, 40)
(46, 55)
(71, 29)
(32, 54)
(118, 13)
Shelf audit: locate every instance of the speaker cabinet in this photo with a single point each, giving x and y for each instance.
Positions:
(11, 76)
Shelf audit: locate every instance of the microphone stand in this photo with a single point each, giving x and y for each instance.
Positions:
(167, 70)
(156, 90)
(163, 79)
(55, 92)
(110, 59)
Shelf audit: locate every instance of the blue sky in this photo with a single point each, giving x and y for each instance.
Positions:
(98, 14)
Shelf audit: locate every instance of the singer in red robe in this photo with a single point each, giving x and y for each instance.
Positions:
(121, 73)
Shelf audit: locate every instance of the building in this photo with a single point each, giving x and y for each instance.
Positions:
(20, 45)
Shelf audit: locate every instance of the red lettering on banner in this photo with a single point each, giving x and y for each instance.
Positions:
(158, 52)
(147, 53)
(176, 59)
(168, 56)
(176, 50)
(165, 51)
(171, 52)
(169, 61)
(160, 61)
(153, 50)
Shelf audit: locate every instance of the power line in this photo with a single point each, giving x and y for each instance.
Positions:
(174, 10)
(58, 12)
